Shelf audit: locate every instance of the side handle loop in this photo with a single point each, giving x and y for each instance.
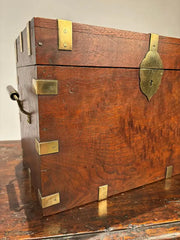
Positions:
(14, 95)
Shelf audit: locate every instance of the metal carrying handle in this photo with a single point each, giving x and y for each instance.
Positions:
(14, 95)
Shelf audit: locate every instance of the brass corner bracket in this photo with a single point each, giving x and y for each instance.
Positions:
(28, 33)
(103, 192)
(64, 35)
(151, 69)
(49, 200)
(21, 42)
(169, 171)
(43, 148)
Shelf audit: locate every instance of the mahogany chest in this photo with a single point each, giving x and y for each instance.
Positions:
(100, 110)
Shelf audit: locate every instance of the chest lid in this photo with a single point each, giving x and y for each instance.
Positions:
(61, 42)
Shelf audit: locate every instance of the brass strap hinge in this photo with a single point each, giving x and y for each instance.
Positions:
(64, 35)
(43, 148)
(45, 86)
(49, 200)
(151, 69)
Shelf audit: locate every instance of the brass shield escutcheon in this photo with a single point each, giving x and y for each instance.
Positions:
(150, 81)
(151, 69)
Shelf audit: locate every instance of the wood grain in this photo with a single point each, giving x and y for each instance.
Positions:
(152, 211)
(108, 132)
(29, 131)
(95, 46)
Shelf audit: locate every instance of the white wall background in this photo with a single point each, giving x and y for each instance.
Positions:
(157, 16)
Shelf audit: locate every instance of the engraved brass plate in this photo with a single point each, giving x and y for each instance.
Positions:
(49, 200)
(45, 87)
(103, 192)
(21, 42)
(43, 148)
(169, 171)
(151, 69)
(28, 38)
(64, 34)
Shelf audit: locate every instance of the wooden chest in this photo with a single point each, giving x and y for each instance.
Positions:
(104, 108)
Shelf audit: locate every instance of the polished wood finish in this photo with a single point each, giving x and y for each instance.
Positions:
(108, 132)
(149, 212)
(94, 46)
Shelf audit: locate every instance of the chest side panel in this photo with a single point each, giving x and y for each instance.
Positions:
(108, 132)
(29, 131)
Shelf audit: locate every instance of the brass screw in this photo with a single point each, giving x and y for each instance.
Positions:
(65, 30)
(65, 44)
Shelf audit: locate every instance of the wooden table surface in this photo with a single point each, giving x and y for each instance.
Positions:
(149, 212)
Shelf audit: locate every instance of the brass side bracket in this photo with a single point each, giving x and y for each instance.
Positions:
(49, 200)
(64, 35)
(45, 86)
(151, 69)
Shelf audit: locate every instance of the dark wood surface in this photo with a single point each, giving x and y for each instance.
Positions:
(149, 212)
(94, 46)
(108, 132)
(29, 132)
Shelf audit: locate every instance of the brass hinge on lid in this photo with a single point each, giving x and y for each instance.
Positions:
(64, 35)
(21, 42)
(151, 69)
(28, 32)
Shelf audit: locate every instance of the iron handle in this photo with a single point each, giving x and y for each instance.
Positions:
(14, 95)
